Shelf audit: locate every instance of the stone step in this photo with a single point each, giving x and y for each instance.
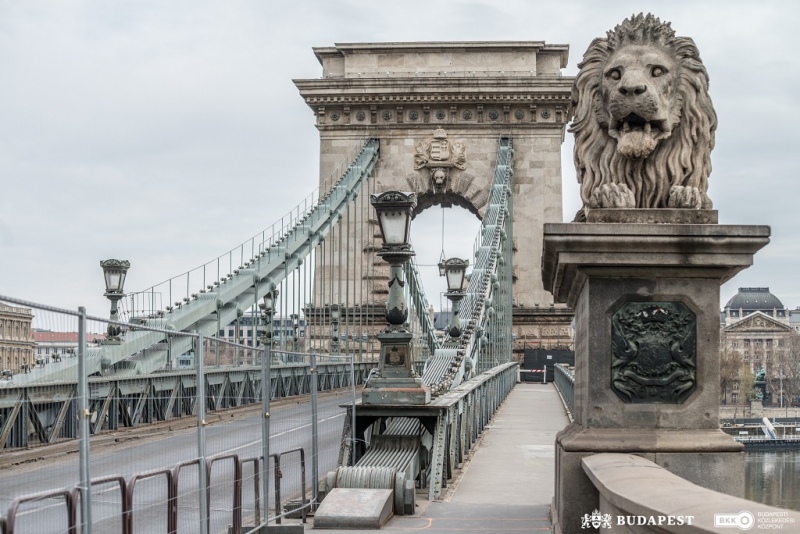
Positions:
(354, 508)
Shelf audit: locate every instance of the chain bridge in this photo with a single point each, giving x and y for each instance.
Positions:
(307, 304)
(330, 297)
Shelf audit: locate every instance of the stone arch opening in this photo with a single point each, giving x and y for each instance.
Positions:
(430, 199)
(439, 229)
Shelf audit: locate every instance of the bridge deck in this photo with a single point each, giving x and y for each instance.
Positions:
(508, 484)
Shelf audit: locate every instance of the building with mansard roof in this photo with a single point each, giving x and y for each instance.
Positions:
(757, 325)
(753, 299)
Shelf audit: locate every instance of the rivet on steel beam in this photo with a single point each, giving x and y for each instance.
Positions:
(266, 415)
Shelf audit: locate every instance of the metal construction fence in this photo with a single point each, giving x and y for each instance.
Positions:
(178, 450)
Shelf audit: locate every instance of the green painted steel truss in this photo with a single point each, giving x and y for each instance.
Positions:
(129, 402)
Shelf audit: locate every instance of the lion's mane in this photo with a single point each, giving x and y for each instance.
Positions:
(682, 159)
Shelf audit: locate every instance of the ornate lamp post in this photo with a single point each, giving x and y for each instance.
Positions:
(335, 346)
(454, 269)
(397, 382)
(114, 272)
(267, 311)
(295, 331)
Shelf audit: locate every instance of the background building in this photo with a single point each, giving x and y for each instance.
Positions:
(282, 330)
(50, 346)
(757, 331)
(16, 341)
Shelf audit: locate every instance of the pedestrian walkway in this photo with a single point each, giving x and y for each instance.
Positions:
(507, 484)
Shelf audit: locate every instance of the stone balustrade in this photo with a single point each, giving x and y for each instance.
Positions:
(640, 496)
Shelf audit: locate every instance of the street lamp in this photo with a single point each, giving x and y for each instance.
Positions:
(295, 330)
(397, 383)
(454, 270)
(334, 311)
(267, 311)
(394, 211)
(114, 272)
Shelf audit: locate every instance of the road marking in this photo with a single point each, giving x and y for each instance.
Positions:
(279, 434)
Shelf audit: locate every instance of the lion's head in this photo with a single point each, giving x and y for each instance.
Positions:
(643, 120)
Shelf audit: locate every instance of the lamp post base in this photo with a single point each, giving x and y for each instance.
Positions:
(396, 391)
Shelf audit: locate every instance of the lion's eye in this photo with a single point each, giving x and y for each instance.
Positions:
(614, 74)
(657, 71)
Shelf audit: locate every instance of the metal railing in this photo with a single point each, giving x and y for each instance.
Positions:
(171, 478)
(564, 380)
(279, 258)
(486, 310)
(159, 297)
(418, 303)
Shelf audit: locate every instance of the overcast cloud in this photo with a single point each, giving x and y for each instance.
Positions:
(166, 133)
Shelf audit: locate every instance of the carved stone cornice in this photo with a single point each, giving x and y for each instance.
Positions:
(535, 101)
(543, 315)
(341, 90)
(474, 97)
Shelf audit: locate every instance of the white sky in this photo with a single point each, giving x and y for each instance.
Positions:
(166, 133)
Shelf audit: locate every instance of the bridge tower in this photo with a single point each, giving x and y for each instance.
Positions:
(438, 109)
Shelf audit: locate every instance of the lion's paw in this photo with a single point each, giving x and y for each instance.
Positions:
(612, 196)
(688, 197)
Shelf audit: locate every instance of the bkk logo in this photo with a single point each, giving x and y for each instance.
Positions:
(744, 520)
(598, 520)
(774, 519)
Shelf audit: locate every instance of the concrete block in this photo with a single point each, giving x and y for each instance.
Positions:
(353, 508)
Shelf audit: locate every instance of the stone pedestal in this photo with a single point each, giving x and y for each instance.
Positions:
(646, 300)
(397, 384)
(396, 391)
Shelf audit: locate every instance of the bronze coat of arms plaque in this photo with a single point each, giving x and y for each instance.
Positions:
(395, 355)
(653, 352)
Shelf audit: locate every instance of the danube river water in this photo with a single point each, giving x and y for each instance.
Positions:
(773, 477)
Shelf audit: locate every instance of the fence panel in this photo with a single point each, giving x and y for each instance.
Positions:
(233, 431)
(165, 444)
(39, 425)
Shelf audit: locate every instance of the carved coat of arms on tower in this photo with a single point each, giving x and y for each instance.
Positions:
(653, 352)
(439, 155)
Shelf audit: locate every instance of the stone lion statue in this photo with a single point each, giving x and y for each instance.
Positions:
(643, 120)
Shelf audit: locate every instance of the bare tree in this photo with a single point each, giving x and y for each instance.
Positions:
(746, 379)
(730, 364)
(786, 376)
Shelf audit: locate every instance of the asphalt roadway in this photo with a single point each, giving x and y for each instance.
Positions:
(161, 446)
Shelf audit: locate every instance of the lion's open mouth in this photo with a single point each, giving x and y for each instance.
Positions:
(635, 123)
(636, 136)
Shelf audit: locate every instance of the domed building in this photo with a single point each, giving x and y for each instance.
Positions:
(756, 326)
(753, 299)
